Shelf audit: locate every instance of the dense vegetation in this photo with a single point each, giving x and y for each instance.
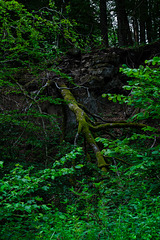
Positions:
(50, 187)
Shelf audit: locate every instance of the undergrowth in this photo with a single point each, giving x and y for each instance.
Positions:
(52, 190)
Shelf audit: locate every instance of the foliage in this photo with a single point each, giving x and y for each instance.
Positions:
(115, 208)
(140, 149)
(31, 38)
(30, 41)
(144, 90)
(23, 197)
(51, 190)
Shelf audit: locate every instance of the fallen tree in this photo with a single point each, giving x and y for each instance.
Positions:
(87, 127)
(84, 125)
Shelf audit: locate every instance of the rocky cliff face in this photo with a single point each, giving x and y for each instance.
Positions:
(95, 73)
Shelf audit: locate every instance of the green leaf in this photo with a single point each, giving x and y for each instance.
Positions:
(1, 164)
(28, 209)
(79, 166)
(119, 97)
(156, 152)
(45, 188)
(104, 95)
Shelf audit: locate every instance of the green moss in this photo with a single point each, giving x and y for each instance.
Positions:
(84, 125)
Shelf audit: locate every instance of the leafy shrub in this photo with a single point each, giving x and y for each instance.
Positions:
(25, 208)
(140, 148)
(29, 39)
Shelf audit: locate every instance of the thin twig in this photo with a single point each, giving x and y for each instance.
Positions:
(154, 142)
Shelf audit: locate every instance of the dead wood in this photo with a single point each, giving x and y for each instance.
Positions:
(87, 127)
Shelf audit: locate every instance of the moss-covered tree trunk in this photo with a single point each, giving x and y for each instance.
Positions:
(87, 127)
(84, 125)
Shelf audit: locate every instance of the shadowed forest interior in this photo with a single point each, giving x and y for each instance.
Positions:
(80, 119)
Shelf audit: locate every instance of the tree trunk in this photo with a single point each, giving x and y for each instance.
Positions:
(149, 21)
(84, 124)
(124, 33)
(156, 19)
(142, 31)
(103, 21)
(136, 32)
(142, 25)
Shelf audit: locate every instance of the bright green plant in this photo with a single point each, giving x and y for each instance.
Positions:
(31, 38)
(24, 209)
(122, 211)
(144, 89)
(144, 94)
(120, 207)
(28, 41)
(134, 158)
(127, 209)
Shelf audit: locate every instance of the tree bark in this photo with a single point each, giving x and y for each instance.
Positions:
(149, 21)
(124, 33)
(136, 32)
(103, 22)
(84, 124)
(143, 13)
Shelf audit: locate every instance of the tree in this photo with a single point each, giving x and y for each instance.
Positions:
(143, 12)
(124, 33)
(103, 21)
(145, 16)
(82, 12)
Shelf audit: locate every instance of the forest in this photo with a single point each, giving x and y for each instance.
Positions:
(80, 119)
